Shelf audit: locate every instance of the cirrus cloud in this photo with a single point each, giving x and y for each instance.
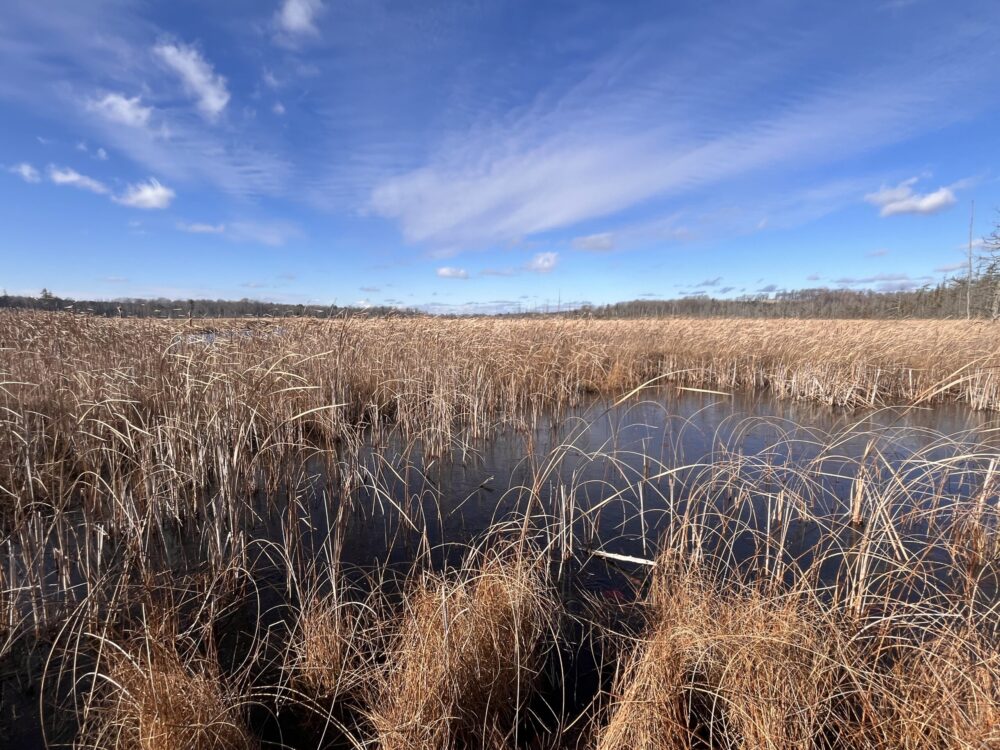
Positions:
(598, 243)
(71, 177)
(146, 195)
(121, 109)
(298, 17)
(543, 262)
(201, 228)
(197, 76)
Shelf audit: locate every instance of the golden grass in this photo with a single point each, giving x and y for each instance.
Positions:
(750, 669)
(148, 696)
(330, 649)
(747, 670)
(940, 694)
(464, 658)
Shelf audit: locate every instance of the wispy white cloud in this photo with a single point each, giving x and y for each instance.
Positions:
(201, 228)
(903, 199)
(271, 233)
(450, 272)
(121, 109)
(543, 262)
(538, 263)
(99, 153)
(858, 280)
(146, 195)
(26, 172)
(632, 131)
(182, 152)
(951, 267)
(885, 282)
(298, 17)
(197, 76)
(270, 80)
(71, 177)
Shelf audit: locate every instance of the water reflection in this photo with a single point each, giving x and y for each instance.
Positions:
(617, 478)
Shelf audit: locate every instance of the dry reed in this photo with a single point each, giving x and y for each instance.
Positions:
(723, 669)
(331, 649)
(149, 695)
(464, 659)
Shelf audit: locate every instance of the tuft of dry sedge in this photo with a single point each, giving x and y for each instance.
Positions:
(734, 669)
(151, 699)
(326, 658)
(464, 658)
(943, 694)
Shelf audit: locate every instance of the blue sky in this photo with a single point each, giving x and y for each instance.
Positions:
(487, 155)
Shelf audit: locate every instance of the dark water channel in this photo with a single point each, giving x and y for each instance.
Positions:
(619, 474)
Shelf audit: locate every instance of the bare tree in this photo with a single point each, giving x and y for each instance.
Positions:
(991, 248)
(968, 281)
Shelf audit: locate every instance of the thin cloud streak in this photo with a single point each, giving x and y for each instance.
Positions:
(26, 172)
(578, 161)
(71, 177)
(596, 243)
(197, 76)
(296, 19)
(201, 228)
(121, 109)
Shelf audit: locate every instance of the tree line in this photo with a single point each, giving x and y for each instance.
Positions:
(945, 300)
(189, 308)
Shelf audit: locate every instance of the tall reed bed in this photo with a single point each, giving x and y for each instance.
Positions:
(175, 506)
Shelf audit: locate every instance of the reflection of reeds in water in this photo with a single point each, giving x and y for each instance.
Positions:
(837, 602)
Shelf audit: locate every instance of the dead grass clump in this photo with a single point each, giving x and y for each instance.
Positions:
(148, 696)
(328, 658)
(729, 670)
(943, 694)
(463, 660)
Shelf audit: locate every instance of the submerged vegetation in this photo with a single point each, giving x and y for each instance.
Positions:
(182, 510)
